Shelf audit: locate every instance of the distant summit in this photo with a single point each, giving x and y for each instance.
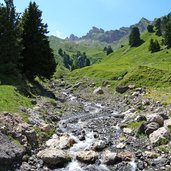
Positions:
(98, 34)
(72, 38)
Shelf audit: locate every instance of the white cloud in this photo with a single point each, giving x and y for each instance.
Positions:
(59, 34)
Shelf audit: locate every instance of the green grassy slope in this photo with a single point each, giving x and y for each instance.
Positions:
(11, 100)
(93, 49)
(13, 90)
(122, 66)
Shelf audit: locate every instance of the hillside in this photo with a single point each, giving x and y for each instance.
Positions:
(132, 66)
(93, 43)
(93, 49)
(112, 114)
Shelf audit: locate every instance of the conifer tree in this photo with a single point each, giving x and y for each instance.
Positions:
(150, 28)
(134, 37)
(38, 58)
(154, 46)
(167, 35)
(10, 46)
(158, 27)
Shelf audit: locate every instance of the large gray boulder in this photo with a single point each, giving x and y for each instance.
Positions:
(110, 158)
(155, 118)
(9, 153)
(99, 145)
(87, 156)
(151, 127)
(159, 136)
(54, 157)
(63, 142)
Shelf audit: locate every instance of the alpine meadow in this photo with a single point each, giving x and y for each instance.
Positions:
(85, 85)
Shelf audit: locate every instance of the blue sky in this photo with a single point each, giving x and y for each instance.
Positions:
(78, 16)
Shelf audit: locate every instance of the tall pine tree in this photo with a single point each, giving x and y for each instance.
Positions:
(167, 35)
(38, 58)
(157, 24)
(134, 37)
(10, 46)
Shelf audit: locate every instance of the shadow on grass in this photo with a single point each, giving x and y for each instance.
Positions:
(28, 88)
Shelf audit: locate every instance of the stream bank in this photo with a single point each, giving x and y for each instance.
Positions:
(100, 131)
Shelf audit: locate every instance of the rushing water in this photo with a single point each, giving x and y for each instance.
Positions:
(93, 118)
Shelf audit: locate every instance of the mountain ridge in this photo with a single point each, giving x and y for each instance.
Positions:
(111, 36)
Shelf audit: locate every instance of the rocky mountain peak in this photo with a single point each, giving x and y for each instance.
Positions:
(98, 34)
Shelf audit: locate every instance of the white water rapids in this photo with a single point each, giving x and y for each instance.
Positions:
(75, 165)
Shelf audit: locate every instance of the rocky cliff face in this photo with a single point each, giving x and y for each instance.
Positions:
(111, 36)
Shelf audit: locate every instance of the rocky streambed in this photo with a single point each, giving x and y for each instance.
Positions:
(87, 141)
(100, 131)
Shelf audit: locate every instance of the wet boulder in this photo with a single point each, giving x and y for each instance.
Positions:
(110, 158)
(99, 145)
(125, 155)
(63, 142)
(54, 157)
(88, 157)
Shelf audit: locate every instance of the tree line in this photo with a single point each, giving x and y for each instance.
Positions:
(24, 45)
(78, 60)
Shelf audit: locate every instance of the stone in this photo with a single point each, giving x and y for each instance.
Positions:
(121, 145)
(127, 130)
(167, 123)
(77, 85)
(155, 118)
(145, 102)
(128, 115)
(53, 118)
(122, 89)
(125, 155)
(88, 157)
(98, 91)
(159, 136)
(45, 127)
(140, 118)
(140, 89)
(9, 152)
(140, 165)
(136, 93)
(62, 84)
(105, 83)
(99, 146)
(164, 116)
(110, 158)
(131, 86)
(63, 142)
(31, 135)
(54, 157)
(151, 127)
(151, 154)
